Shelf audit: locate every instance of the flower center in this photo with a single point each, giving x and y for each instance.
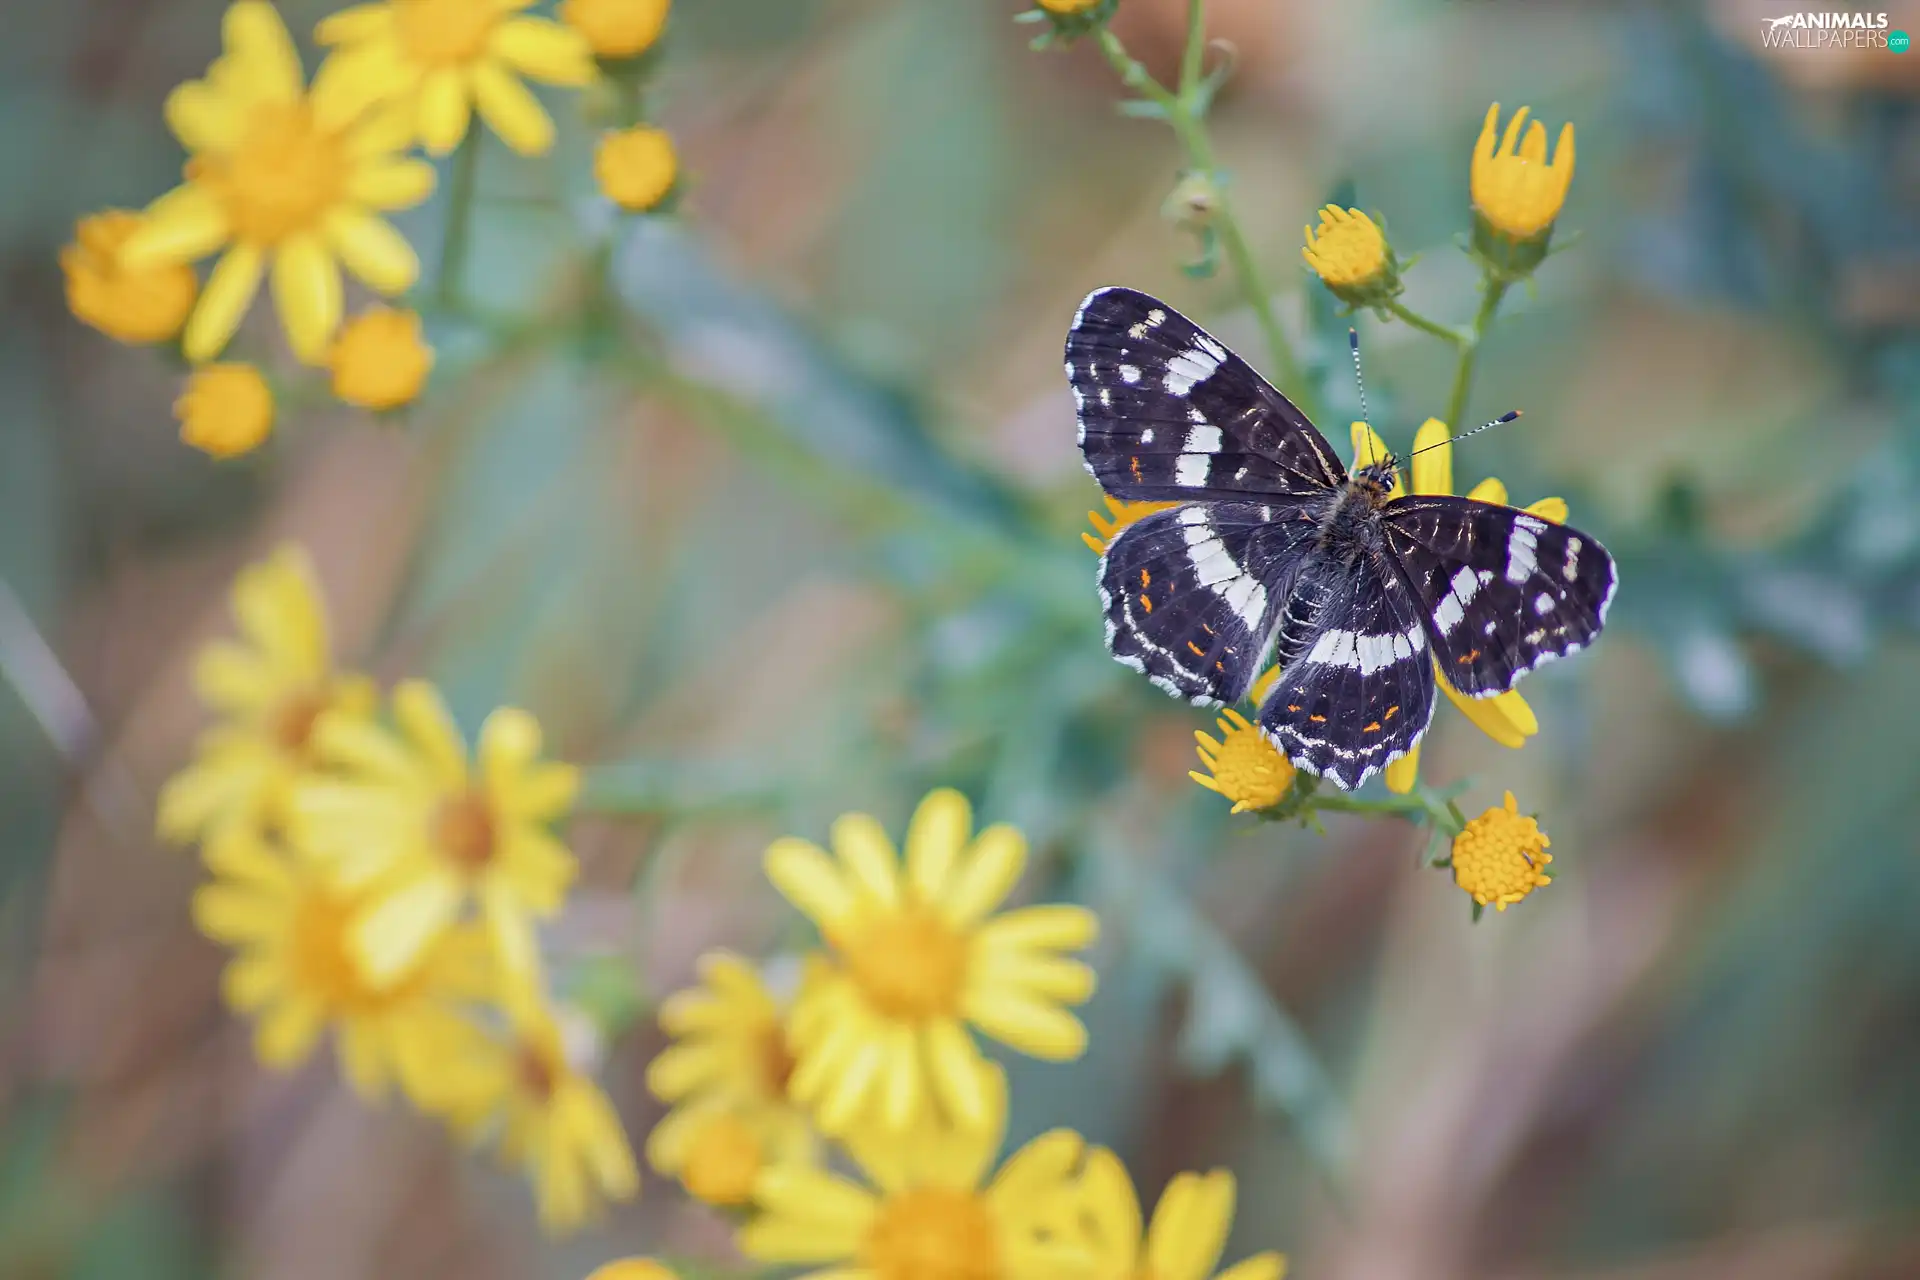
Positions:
(538, 1073)
(293, 720)
(776, 1061)
(445, 33)
(909, 963)
(283, 176)
(323, 965)
(463, 831)
(933, 1234)
(722, 1162)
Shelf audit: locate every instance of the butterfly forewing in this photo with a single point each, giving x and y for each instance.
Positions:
(1502, 591)
(1168, 413)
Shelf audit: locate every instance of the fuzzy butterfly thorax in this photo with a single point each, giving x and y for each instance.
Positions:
(1272, 552)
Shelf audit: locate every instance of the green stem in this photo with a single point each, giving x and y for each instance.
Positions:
(460, 193)
(1445, 333)
(1395, 806)
(1185, 115)
(1493, 288)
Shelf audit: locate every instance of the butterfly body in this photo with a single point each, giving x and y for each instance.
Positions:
(1276, 554)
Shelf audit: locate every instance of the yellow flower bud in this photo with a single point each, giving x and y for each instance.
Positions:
(1349, 252)
(1501, 856)
(1517, 191)
(1243, 765)
(636, 168)
(226, 410)
(617, 28)
(133, 305)
(378, 360)
(1067, 7)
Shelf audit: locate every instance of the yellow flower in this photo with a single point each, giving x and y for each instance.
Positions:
(1501, 857)
(226, 410)
(923, 1213)
(617, 28)
(1242, 764)
(552, 1120)
(726, 1075)
(147, 305)
(1351, 256)
(1505, 717)
(442, 59)
(269, 688)
(1188, 1231)
(1123, 514)
(635, 167)
(292, 971)
(917, 959)
(406, 818)
(278, 174)
(1069, 7)
(1517, 193)
(379, 361)
(633, 1269)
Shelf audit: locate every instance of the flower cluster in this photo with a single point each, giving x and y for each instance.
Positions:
(290, 182)
(869, 1043)
(378, 884)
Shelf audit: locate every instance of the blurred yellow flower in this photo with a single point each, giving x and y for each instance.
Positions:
(1515, 188)
(1242, 764)
(1187, 1234)
(924, 1212)
(617, 28)
(269, 688)
(1347, 251)
(1069, 7)
(726, 1076)
(633, 1269)
(293, 973)
(636, 167)
(277, 174)
(1505, 717)
(225, 410)
(379, 361)
(882, 1033)
(132, 306)
(442, 59)
(552, 1121)
(1501, 856)
(404, 817)
(1123, 514)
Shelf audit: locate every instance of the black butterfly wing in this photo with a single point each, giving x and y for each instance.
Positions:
(1192, 594)
(1168, 414)
(1356, 684)
(1502, 591)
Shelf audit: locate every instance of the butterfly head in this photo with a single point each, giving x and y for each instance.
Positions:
(1376, 480)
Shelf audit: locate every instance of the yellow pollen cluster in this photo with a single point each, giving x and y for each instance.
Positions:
(1501, 856)
(133, 305)
(226, 410)
(934, 1233)
(910, 965)
(1244, 765)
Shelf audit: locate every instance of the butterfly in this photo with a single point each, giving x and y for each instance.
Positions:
(1275, 554)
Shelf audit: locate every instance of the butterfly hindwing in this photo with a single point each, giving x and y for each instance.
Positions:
(1503, 591)
(1191, 594)
(1356, 688)
(1167, 413)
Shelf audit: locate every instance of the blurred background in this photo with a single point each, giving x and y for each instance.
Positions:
(791, 526)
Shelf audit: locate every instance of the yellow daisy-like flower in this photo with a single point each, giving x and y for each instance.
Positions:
(1501, 856)
(1121, 515)
(283, 177)
(635, 168)
(1187, 1234)
(1515, 188)
(617, 28)
(726, 1075)
(1242, 764)
(883, 1031)
(131, 306)
(1505, 717)
(924, 1214)
(406, 818)
(443, 59)
(379, 361)
(633, 1269)
(1348, 250)
(226, 410)
(292, 971)
(553, 1121)
(269, 687)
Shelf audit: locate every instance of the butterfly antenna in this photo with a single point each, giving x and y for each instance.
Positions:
(1508, 416)
(1359, 381)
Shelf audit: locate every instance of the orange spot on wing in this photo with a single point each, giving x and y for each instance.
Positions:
(1318, 719)
(1219, 666)
(1146, 579)
(1198, 652)
(1146, 603)
(1392, 711)
(1372, 728)
(1292, 706)
(1136, 471)
(1467, 657)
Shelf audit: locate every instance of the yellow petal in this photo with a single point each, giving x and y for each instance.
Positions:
(1261, 1266)
(390, 184)
(287, 1033)
(445, 110)
(1190, 1225)
(987, 875)
(223, 302)
(1048, 977)
(867, 855)
(1553, 509)
(259, 41)
(1505, 717)
(356, 23)
(960, 1075)
(306, 291)
(389, 937)
(1032, 1025)
(373, 250)
(1510, 140)
(1489, 490)
(1056, 928)
(1432, 461)
(423, 716)
(203, 118)
(184, 225)
(512, 111)
(808, 879)
(935, 838)
(544, 50)
(1403, 773)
